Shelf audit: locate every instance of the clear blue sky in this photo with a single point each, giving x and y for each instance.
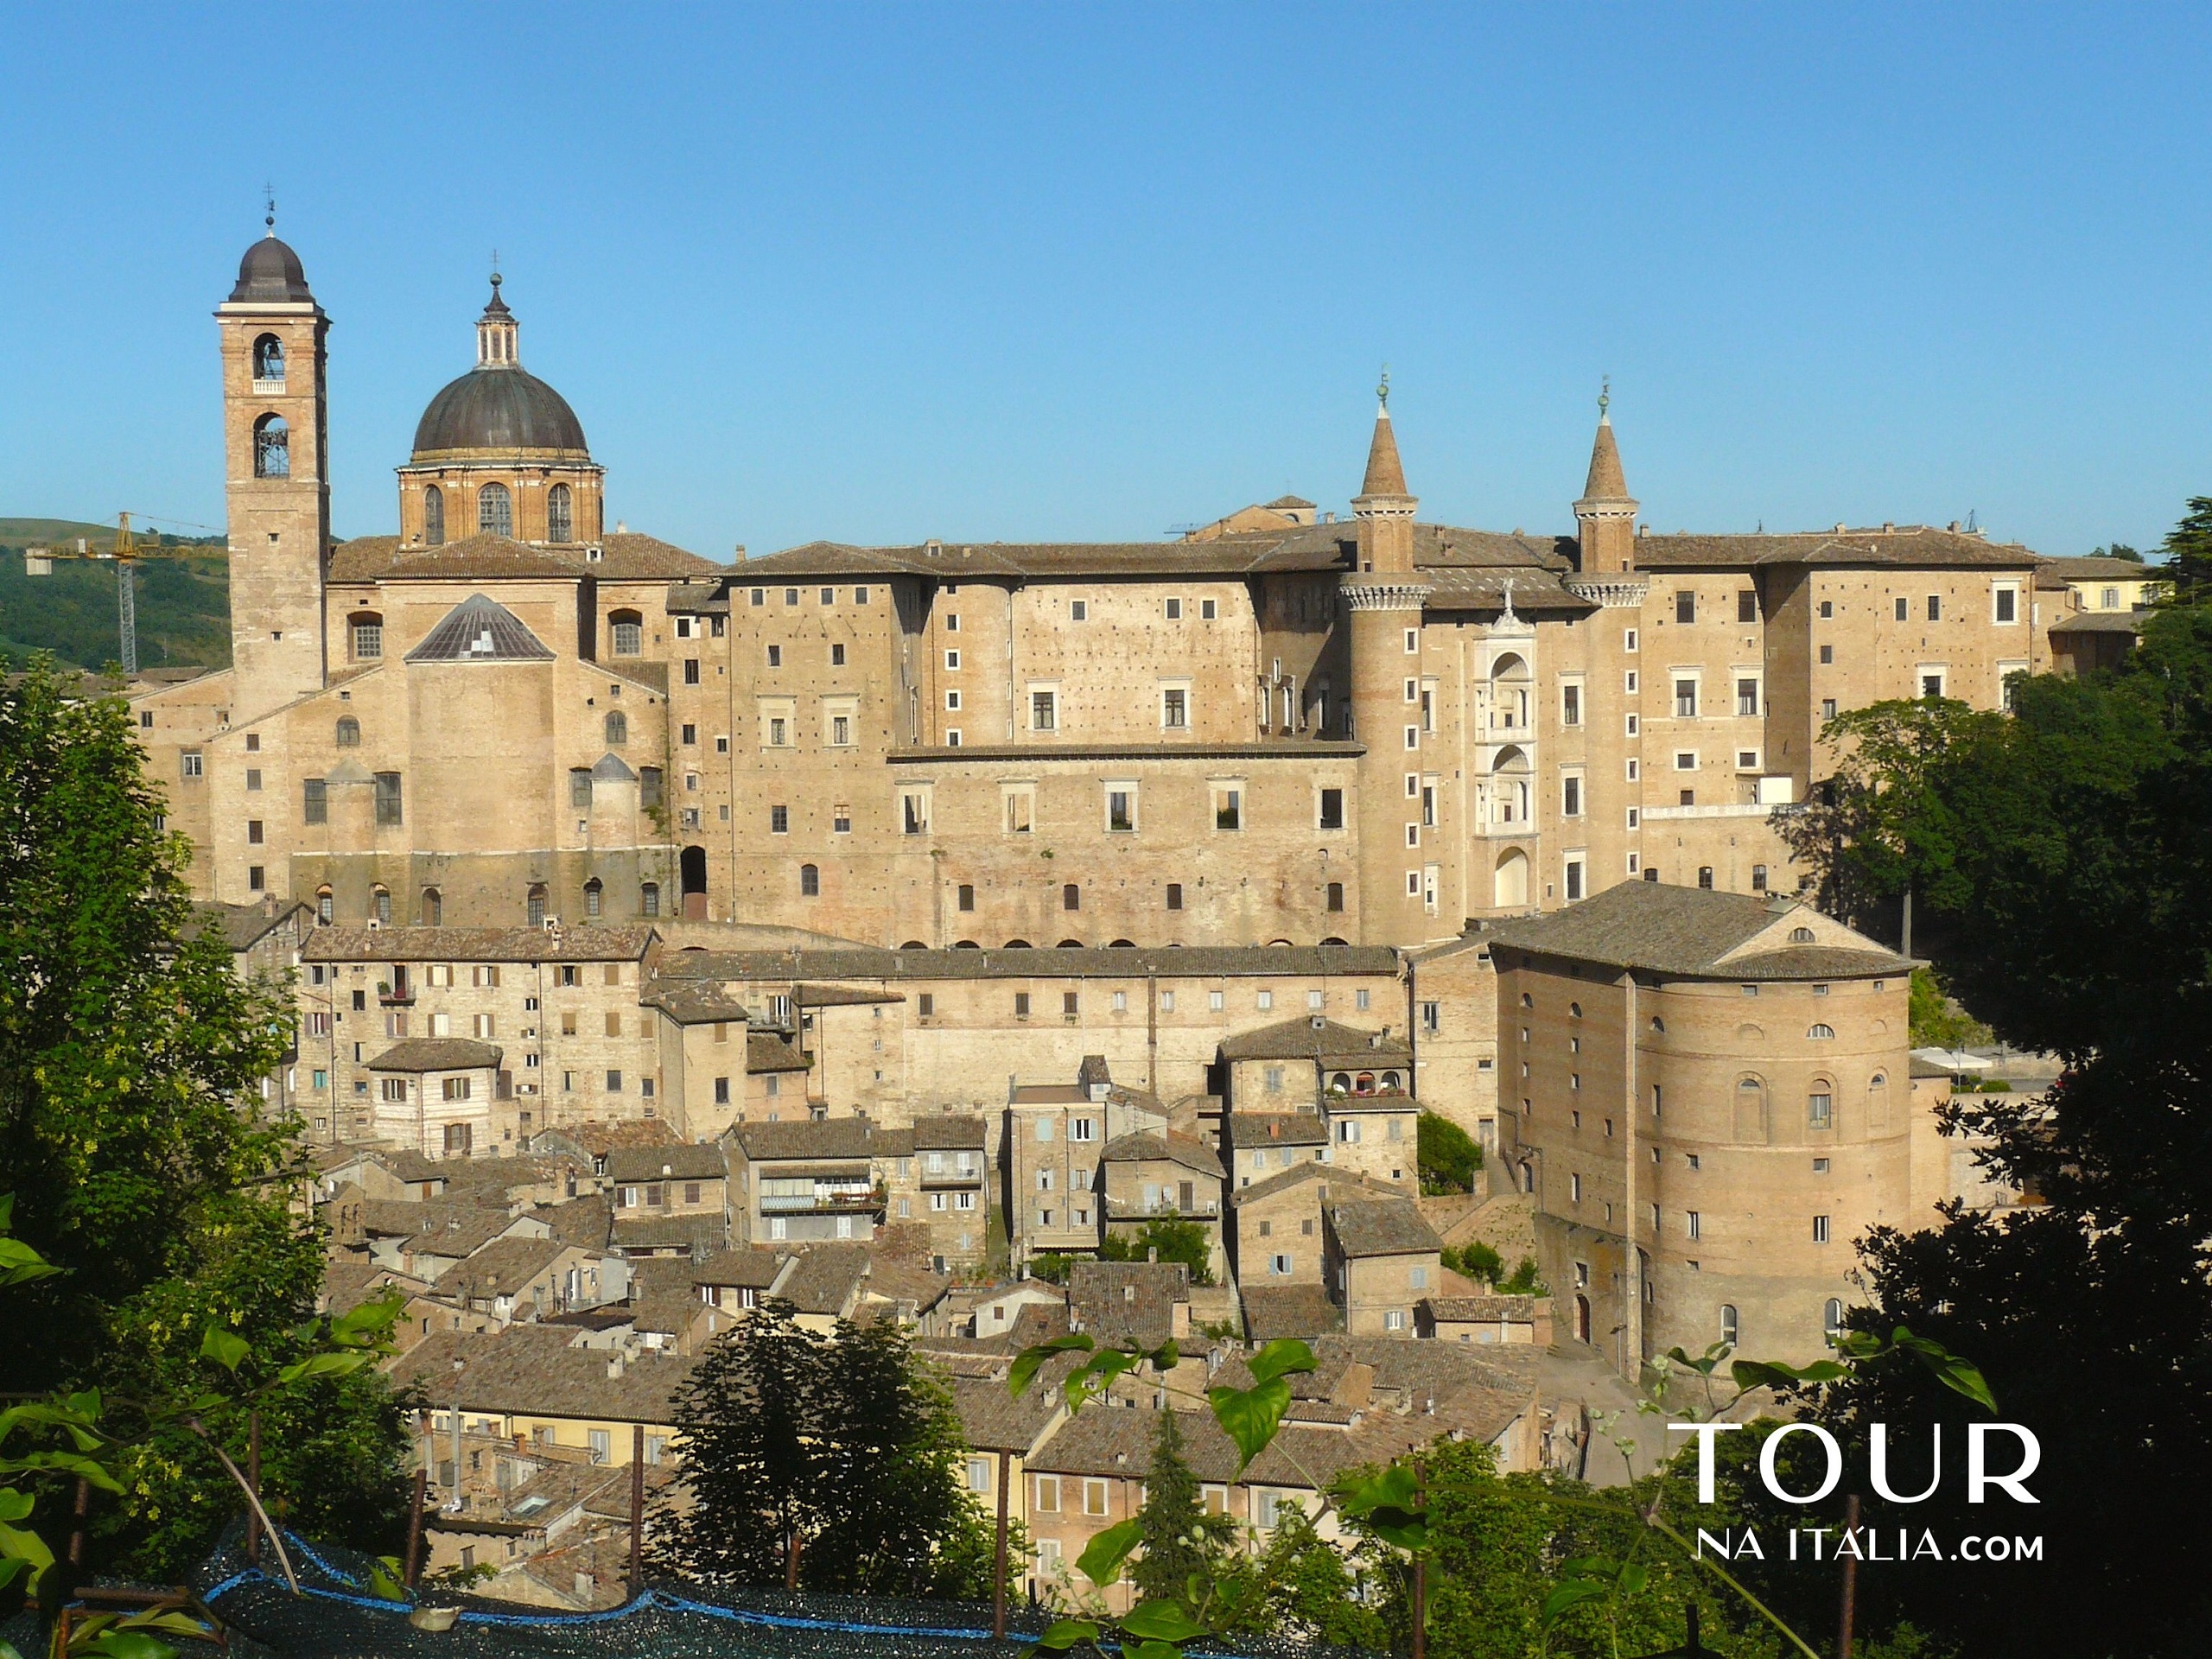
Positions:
(1053, 271)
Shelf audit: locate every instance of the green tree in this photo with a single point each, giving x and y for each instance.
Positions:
(838, 1443)
(131, 1059)
(1168, 1239)
(2189, 547)
(2065, 882)
(1938, 1022)
(1477, 1261)
(1448, 1156)
(1178, 1537)
(2117, 550)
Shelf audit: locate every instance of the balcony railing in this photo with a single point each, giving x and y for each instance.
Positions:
(818, 1203)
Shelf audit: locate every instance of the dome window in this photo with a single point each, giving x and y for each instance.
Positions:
(495, 511)
(433, 515)
(272, 447)
(560, 514)
(269, 364)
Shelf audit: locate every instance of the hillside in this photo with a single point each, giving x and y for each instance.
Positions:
(183, 603)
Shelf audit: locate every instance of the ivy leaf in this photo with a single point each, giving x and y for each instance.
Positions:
(1279, 1358)
(15, 1505)
(223, 1347)
(1167, 1356)
(1960, 1376)
(1153, 1650)
(69, 1463)
(1773, 1374)
(1164, 1620)
(1027, 1362)
(176, 1623)
(1101, 1560)
(384, 1579)
(1065, 1633)
(1633, 1578)
(126, 1644)
(20, 1263)
(1251, 1416)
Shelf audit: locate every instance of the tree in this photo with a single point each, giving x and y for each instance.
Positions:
(1938, 1022)
(838, 1444)
(1165, 1238)
(1178, 1537)
(131, 1059)
(1448, 1156)
(2189, 547)
(2117, 550)
(1303, 1588)
(2066, 882)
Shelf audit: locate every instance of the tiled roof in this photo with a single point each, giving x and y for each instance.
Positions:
(766, 1050)
(1250, 1129)
(586, 1221)
(1911, 547)
(451, 1230)
(693, 1002)
(681, 1161)
(824, 1277)
(2099, 622)
(240, 926)
(438, 1054)
(1328, 1180)
(695, 1234)
(993, 1420)
(872, 962)
(624, 557)
(500, 1267)
(1123, 1302)
(1692, 931)
(1518, 1309)
(818, 1139)
(2095, 569)
(1386, 473)
(1141, 1146)
(480, 630)
(740, 1268)
(1324, 1040)
(530, 1371)
(1382, 1227)
(948, 1131)
(614, 942)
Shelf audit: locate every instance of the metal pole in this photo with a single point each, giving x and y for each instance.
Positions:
(84, 1507)
(636, 1507)
(253, 1479)
(1904, 947)
(1850, 1581)
(413, 1565)
(998, 1560)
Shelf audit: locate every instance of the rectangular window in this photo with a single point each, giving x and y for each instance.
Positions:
(1332, 809)
(1573, 880)
(580, 788)
(1827, 655)
(952, 661)
(690, 671)
(1827, 707)
(841, 731)
(914, 812)
(952, 702)
(315, 805)
(926, 1005)
(952, 622)
(1685, 606)
(1121, 808)
(1174, 895)
(780, 820)
(1078, 610)
(253, 777)
(1820, 1111)
(1686, 761)
(1570, 805)
(1747, 696)
(1685, 699)
(388, 799)
(2008, 602)
(613, 1082)
(689, 734)
(1693, 1224)
(841, 819)
(779, 732)
(1336, 897)
(1747, 605)
(1021, 1011)
(1020, 810)
(1044, 711)
(1070, 1003)
(1570, 705)
(1175, 708)
(1207, 610)
(254, 881)
(1935, 607)
(1174, 610)
(1228, 807)
(1820, 1230)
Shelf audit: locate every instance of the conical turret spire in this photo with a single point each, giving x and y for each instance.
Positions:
(1606, 481)
(1386, 473)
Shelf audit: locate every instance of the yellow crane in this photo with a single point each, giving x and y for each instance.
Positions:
(125, 553)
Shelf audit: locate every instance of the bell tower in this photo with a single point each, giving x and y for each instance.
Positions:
(277, 473)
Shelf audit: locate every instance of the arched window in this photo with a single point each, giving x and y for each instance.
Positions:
(433, 515)
(269, 362)
(592, 891)
(380, 906)
(649, 899)
(691, 866)
(1820, 1033)
(495, 511)
(1509, 885)
(534, 905)
(1820, 1105)
(434, 908)
(1011, 945)
(1390, 1082)
(364, 629)
(1729, 1327)
(1069, 944)
(560, 514)
(809, 880)
(1832, 1321)
(272, 447)
(1657, 1024)
(618, 729)
(1527, 1000)
(1070, 897)
(326, 908)
(1751, 1109)
(629, 629)
(1574, 1010)
(349, 732)
(1364, 1084)
(1705, 877)
(1800, 936)
(1528, 1178)
(1340, 1084)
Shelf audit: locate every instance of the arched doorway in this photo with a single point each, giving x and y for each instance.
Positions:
(1582, 1318)
(694, 864)
(1510, 886)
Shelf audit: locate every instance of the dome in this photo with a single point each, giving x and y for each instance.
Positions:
(500, 408)
(271, 270)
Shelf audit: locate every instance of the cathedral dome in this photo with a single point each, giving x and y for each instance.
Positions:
(498, 410)
(503, 410)
(271, 270)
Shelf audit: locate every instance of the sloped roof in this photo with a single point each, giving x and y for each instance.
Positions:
(501, 1267)
(240, 926)
(480, 630)
(1382, 1227)
(816, 1139)
(1386, 473)
(824, 1277)
(875, 963)
(612, 943)
(1301, 1311)
(1911, 547)
(623, 557)
(680, 1160)
(948, 1131)
(742, 1269)
(1326, 1042)
(1249, 1130)
(1122, 1301)
(1693, 932)
(438, 1054)
(768, 1051)
(1142, 1146)
(530, 1371)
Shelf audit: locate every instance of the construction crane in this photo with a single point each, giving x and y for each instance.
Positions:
(125, 553)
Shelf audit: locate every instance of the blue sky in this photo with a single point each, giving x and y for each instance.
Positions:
(1007, 271)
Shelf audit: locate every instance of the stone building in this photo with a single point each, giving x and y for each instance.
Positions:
(1710, 1099)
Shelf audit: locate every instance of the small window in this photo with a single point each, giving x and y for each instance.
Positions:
(593, 893)
(618, 729)
(1685, 606)
(1228, 808)
(1336, 897)
(1729, 1327)
(1332, 809)
(1174, 610)
(495, 511)
(315, 805)
(1175, 708)
(580, 788)
(2008, 600)
(1820, 1230)
(366, 632)
(1570, 705)
(1044, 709)
(1935, 607)
(1759, 878)
(1078, 610)
(1071, 897)
(1021, 1011)
(1747, 605)
(1820, 1109)
(810, 881)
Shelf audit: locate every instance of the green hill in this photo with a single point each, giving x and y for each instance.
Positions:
(183, 602)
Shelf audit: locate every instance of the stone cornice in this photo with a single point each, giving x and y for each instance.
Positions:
(1407, 595)
(1613, 593)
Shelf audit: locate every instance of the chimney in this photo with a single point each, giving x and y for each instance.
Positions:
(615, 1361)
(585, 1585)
